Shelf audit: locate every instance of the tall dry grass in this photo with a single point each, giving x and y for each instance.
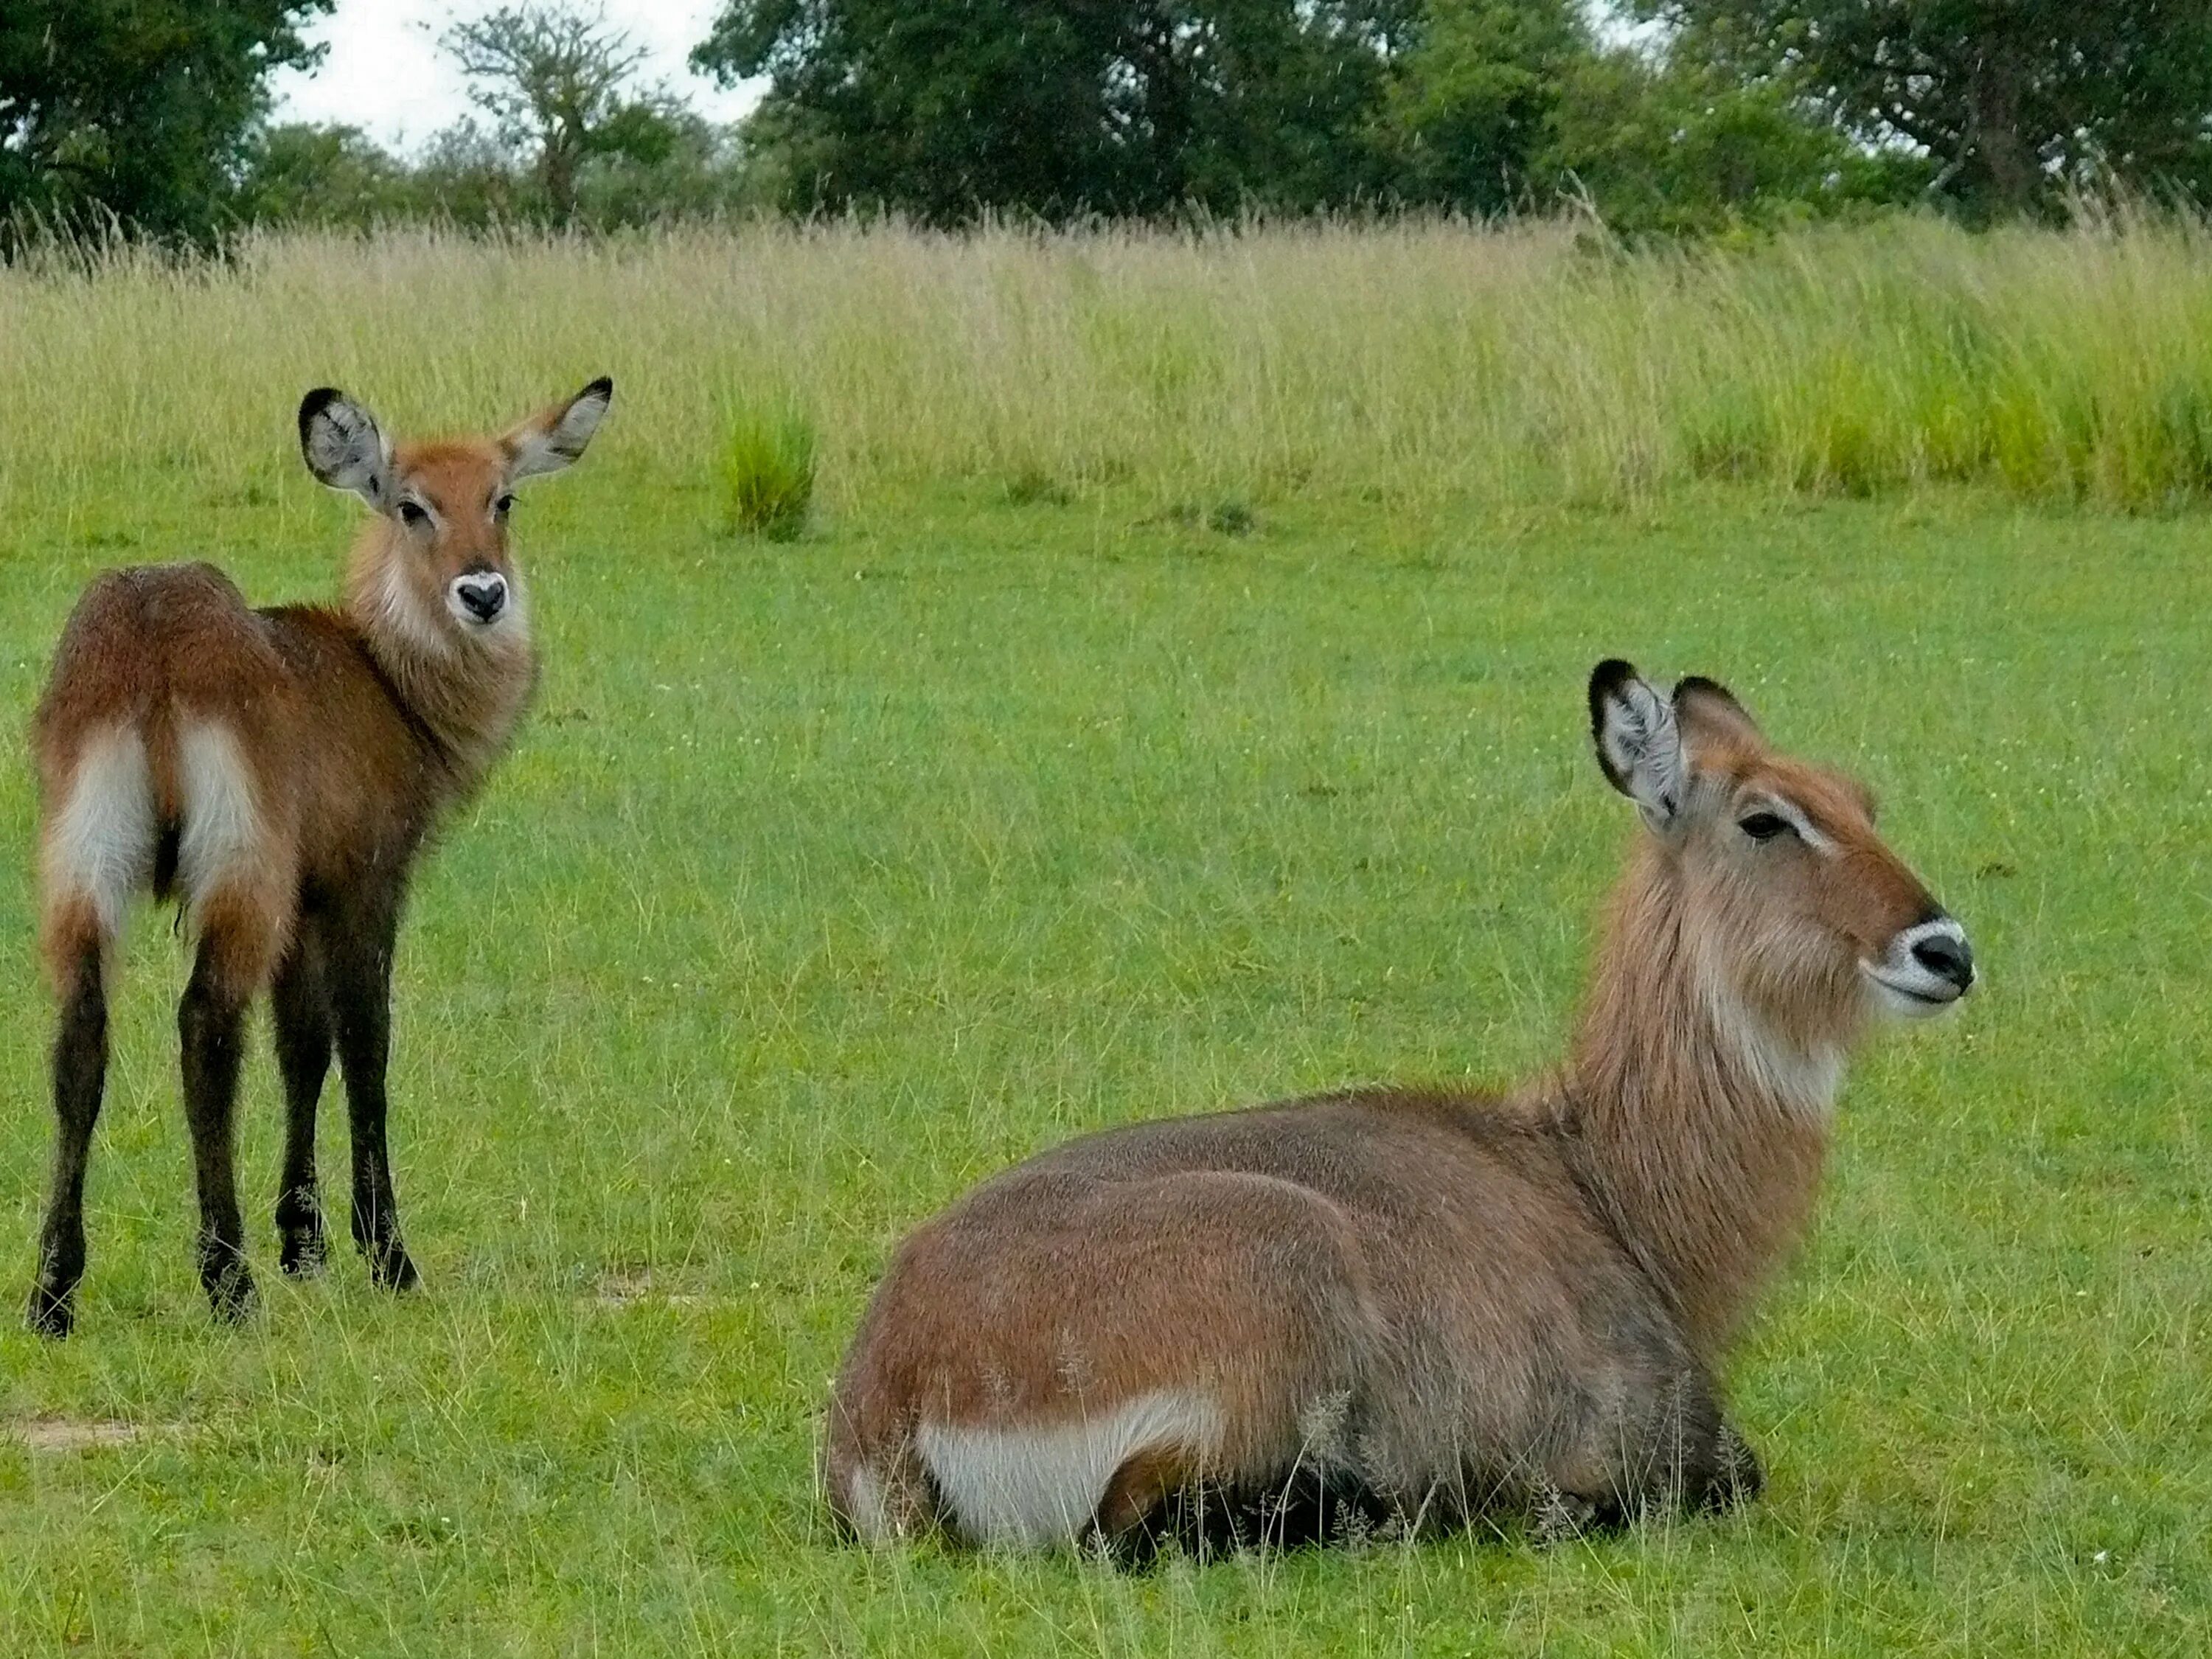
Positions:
(1416, 359)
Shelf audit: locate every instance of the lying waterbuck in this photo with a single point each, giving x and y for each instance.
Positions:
(1412, 1308)
(278, 771)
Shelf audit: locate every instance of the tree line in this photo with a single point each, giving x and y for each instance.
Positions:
(1664, 116)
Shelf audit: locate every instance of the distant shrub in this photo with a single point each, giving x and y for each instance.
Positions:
(1033, 486)
(767, 472)
(1231, 518)
(1228, 517)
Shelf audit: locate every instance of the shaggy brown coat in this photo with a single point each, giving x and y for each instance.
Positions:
(278, 771)
(1416, 1306)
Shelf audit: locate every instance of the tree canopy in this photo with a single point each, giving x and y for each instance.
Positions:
(154, 113)
(942, 109)
(560, 85)
(948, 108)
(2015, 101)
(144, 109)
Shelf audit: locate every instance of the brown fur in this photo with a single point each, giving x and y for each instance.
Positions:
(278, 771)
(1434, 1303)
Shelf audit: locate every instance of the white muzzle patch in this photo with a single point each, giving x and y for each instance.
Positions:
(477, 598)
(1926, 970)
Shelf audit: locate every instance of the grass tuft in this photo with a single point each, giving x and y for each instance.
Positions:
(769, 461)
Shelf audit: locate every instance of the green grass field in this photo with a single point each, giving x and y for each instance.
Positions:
(831, 875)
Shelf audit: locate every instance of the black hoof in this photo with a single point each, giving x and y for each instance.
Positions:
(50, 1313)
(1559, 1517)
(1737, 1477)
(303, 1253)
(229, 1289)
(390, 1269)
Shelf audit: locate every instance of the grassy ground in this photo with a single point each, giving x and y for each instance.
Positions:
(830, 877)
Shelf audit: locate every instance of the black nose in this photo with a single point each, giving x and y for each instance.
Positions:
(1947, 957)
(482, 598)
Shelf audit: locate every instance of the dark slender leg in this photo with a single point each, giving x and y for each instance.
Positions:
(80, 1070)
(211, 1030)
(302, 1005)
(359, 958)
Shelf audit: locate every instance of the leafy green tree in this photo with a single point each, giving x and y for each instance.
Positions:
(2013, 100)
(1498, 105)
(1472, 103)
(943, 109)
(1672, 147)
(140, 109)
(297, 174)
(557, 84)
(469, 176)
(669, 164)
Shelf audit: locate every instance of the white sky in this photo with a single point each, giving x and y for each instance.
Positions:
(385, 73)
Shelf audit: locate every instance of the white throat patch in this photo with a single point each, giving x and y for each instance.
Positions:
(402, 612)
(1805, 1080)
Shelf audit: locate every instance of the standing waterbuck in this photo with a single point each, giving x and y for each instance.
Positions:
(1412, 1308)
(277, 772)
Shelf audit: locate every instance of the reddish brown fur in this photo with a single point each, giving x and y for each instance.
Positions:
(1434, 1303)
(323, 744)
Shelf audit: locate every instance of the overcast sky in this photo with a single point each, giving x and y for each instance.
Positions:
(385, 73)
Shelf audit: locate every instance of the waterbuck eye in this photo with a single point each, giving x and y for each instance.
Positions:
(1762, 826)
(414, 514)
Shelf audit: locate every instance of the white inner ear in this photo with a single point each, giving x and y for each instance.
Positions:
(1644, 746)
(345, 451)
(554, 447)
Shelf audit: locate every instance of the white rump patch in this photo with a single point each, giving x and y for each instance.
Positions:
(222, 831)
(1032, 1486)
(101, 846)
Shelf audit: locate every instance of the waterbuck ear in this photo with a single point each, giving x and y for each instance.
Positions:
(549, 442)
(1703, 705)
(1639, 745)
(342, 447)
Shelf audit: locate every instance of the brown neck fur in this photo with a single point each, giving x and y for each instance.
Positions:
(1704, 1150)
(468, 693)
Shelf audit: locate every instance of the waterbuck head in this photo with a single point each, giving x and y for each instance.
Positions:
(438, 577)
(1795, 911)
